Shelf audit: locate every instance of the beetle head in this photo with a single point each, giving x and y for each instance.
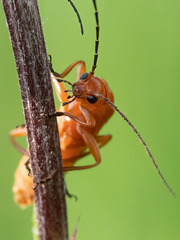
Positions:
(87, 87)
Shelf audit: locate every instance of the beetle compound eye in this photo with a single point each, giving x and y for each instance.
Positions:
(92, 99)
(84, 76)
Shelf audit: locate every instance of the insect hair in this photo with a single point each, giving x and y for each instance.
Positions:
(139, 136)
(78, 16)
(97, 38)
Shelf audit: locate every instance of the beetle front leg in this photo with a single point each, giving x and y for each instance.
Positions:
(59, 87)
(89, 117)
(76, 119)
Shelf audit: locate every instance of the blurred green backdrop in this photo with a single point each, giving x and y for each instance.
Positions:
(123, 198)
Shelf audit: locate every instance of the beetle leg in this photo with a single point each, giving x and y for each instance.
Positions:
(59, 87)
(82, 69)
(27, 163)
(89, 117)
(87, 123)
(69, 194)
(45, 180)
(93, 143)
(93, 147)
(18, 132)
(101, 140)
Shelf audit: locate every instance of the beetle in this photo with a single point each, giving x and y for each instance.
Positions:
(79, 121)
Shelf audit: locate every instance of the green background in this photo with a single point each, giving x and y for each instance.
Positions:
(139, 56)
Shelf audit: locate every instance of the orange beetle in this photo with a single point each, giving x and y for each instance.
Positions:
(89, 108)
(78, 125)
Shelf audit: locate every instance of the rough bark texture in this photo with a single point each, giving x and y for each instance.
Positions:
(36, 89)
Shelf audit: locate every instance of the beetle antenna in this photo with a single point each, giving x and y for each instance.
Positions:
(140, 138)
(97, 38)
(78, 16)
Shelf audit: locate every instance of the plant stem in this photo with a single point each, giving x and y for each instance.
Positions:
(27, 39)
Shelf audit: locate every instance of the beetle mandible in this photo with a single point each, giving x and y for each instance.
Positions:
(79, 121)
